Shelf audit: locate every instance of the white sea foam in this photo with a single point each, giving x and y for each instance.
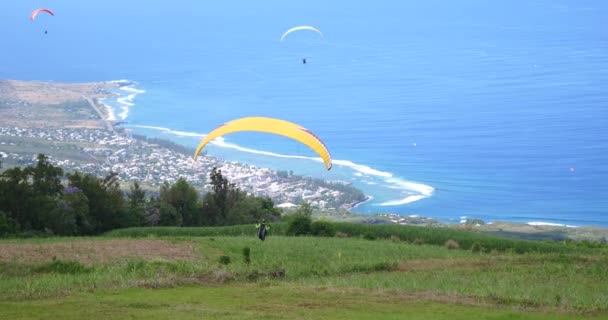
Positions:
(362, 168)
(109, 109)
(369, 198)
(415, 191)
(540, 223)
(133, 90)
(167, 130)
(127, 101)
(408, 199)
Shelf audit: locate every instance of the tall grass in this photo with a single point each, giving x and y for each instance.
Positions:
(311, 256)
(239, 230)
(530, 280)
(439, 236)
(571, 281)
(413, 234)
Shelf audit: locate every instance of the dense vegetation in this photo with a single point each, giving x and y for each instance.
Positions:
(43, 200)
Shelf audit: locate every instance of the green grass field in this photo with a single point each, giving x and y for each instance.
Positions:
(180, 275)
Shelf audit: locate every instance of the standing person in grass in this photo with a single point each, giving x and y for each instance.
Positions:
(263, 228)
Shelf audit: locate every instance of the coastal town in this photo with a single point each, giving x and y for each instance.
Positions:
(154, 162)
(71, 125)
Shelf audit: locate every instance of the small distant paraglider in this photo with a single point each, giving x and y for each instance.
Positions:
(38, 11)
(301, 28)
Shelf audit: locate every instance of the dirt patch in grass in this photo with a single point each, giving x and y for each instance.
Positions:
(431, 264)
(96, 251)
(454, 299)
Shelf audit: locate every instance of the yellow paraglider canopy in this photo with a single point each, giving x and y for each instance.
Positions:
(270, 125)
(301, 28)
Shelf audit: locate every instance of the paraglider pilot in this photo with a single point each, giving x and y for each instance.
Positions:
(263, 228)
(304, 61)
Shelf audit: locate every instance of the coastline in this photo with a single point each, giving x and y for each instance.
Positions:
(367, 199)
(97, 93)
(91, 141)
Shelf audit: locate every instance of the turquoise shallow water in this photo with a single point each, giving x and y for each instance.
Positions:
(472, 109)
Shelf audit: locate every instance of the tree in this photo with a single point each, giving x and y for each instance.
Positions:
(30, 194)
(152, 212)
(217, 203)
(221, 189)
(79, 204)
(228, 205)
(15, 193)
(252, 209)
(62, 220)
(7, 225)
(184, 198)
(106, 201)
(136, 206)
(169, 216)
(46, 178)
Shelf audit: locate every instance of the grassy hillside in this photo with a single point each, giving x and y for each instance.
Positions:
(411, 234)
(160, 273)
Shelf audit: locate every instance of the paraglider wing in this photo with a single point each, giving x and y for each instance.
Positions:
(270, 125)
(300, 28)
(37, 11)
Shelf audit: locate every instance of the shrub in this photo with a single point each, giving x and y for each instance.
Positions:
(62, 267)
(247, 255)
(369, 236)
(323, 229)
(225, 260)
(135, 265)
(452, 244)
(476, 247)
(299, 225)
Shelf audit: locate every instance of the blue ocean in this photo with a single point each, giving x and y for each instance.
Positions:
(495, 110)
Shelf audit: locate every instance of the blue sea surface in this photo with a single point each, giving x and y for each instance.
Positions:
(485, 109)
